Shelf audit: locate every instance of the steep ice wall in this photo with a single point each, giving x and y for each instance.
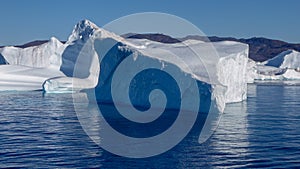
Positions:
(232, 69)
(45, 55)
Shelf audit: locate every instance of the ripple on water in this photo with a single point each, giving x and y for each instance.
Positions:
(43, 131)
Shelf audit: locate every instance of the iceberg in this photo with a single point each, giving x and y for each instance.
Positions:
(284, 66)
(57, 68)
(224, 78)
(28, 68)
(45, 55)
(288, 59)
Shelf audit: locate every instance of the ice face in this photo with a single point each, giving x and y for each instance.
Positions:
(232, 69)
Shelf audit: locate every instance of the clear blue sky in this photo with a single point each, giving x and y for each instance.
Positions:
(23, 21)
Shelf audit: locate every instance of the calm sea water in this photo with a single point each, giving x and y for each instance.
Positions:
(43, 131)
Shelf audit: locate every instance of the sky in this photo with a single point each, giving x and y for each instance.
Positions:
(25, 21)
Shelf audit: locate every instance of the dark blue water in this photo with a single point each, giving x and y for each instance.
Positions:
(43, 131)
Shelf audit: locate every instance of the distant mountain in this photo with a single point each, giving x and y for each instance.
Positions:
(260, 49)
(33, 43)
(154, 37)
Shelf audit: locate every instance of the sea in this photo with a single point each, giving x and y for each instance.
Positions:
(40, 130)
